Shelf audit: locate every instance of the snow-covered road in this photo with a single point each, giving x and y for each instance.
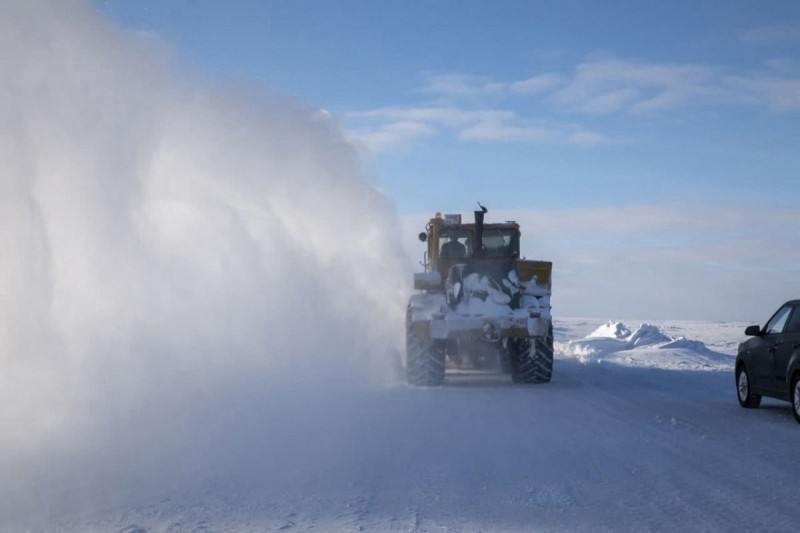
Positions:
(605, 446)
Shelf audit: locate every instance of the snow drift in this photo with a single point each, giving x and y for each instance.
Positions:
(646, 346)
(172, 251)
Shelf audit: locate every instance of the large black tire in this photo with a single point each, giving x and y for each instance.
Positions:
(744, 389)
(532, 361)
(795, 395)
(424, 358)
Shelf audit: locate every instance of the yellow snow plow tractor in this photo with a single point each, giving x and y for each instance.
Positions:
(478, 303)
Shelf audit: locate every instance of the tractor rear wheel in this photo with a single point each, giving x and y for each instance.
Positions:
(532, 359)
(424, 358)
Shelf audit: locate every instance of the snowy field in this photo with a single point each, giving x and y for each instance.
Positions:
(644, 438)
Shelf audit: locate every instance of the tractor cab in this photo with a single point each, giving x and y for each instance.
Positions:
(451, 242)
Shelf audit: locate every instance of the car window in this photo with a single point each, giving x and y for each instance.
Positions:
(778, 321)
(794, 321)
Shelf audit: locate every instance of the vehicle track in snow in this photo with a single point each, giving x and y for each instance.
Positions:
(604, 447)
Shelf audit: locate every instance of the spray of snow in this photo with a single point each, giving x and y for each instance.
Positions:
(172, 250)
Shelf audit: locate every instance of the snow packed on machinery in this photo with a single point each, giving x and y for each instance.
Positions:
(478, 302)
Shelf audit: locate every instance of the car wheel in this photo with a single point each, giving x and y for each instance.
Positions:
(796, 396)
(744, 389)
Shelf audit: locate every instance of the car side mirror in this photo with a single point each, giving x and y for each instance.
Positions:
(423, 236)
(753, 331)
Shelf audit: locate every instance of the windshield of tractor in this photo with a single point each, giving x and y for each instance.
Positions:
(455, 243)
(500, 242)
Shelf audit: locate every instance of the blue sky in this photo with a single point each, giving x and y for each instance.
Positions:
(575, 104)
(570, 107)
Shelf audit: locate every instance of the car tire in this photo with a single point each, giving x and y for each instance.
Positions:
(795, 396)
(744, 389)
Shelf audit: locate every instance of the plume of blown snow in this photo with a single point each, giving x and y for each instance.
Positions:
(170, 246)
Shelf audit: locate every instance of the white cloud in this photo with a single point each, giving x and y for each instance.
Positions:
(537, 84)
(390, 136)
(779, 94)
(588, 138)
(599, 86)
(395, 128)
(496, 131)
(457, 84)
(607, 84)
(611, 85)
(546, 54)
(392, 128)
(543, 133)
(788, 32)
(444, 116)
(598, 101)
(783, 66)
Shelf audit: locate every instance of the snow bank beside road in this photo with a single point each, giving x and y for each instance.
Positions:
(647, 346)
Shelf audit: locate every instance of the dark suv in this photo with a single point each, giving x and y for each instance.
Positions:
(769, 363)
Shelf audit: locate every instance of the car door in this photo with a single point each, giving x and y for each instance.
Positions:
(762, 350)
(787, 343)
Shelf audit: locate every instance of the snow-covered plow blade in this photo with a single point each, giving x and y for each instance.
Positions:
(478, 304)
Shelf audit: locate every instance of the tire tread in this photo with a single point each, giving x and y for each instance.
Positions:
(424, 359)
(532, 359)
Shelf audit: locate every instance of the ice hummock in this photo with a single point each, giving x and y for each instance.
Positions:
(647, 345)
(612, 330)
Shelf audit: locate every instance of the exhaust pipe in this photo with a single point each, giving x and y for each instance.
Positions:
(478, 249)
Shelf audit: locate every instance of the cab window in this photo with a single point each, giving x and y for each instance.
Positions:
(777, 323)
(500, 242)
(455, 244)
